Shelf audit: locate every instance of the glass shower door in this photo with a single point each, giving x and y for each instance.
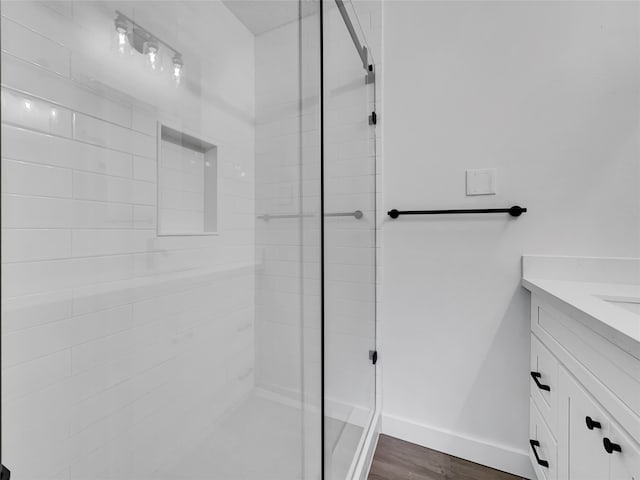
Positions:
(160, 240)
(349, 238)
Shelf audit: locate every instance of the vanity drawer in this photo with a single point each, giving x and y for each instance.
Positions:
(543, 449)
(543, 379)
(613, 367)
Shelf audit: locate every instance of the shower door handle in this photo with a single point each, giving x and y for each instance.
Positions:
(357, 214)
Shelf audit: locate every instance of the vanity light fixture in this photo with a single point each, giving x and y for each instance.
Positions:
(131, 36)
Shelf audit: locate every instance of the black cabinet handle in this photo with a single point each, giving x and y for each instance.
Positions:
(611, 447)
(534, 444)
(536, 376)
(591, 423)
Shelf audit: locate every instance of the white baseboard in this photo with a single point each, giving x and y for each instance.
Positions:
(475, 450)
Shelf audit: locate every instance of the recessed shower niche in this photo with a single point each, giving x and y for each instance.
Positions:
(187, 184)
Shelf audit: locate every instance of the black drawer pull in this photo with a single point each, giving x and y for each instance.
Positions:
(536, 376)
(534, 444)
(591, 423)
(611, 447)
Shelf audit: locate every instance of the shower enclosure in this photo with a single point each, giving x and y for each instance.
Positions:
(188, 240)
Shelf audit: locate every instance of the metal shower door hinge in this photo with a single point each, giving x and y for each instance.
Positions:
(4, 473)
(373, 118)
(373, 356)
(370, 77)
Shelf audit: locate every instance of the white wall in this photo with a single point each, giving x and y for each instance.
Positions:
(549, 94)
(120, 348)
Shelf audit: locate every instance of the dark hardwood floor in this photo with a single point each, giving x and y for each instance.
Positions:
(399, 460)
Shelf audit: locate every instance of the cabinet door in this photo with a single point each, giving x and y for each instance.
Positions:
(587, 426)
(625, 465)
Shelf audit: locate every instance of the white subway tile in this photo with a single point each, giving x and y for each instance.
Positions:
(31, 310)
(35, 244)
(90, 214)
(117, 397)
(39, 17)
(98, 132)
(92, 270)
(52, 455)
(28, 45)
(35, 277)
(28, 344)
(35, 374)
(45, 276)
(44, 411)
(144, 217)
(32, 179)
(105, 375)
(145, 122)
(121, 344)
(174, 221)
(108, 242)
(92, 298)
(35, 212)
(61, 90)
(349, 273)
(182, 200)
(145, 169)
(29, 112)
(27, 145)
(89, 186)
(144, 193)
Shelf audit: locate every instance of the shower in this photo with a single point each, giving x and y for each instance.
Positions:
(189, 239)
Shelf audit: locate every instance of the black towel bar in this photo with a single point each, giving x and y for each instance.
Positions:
(514, 211)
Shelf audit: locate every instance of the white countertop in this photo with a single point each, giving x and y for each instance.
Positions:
(587, 300)
(586, 297)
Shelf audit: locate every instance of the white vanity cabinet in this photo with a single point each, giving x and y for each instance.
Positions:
(584, 402)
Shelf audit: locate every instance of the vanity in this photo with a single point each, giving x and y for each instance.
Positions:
(584, 412)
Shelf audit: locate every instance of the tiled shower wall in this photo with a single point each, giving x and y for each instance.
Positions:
(120, 348)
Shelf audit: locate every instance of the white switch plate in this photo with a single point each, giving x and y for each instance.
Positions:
(481, 181)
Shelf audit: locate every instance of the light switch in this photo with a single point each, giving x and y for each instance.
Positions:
(481, 181)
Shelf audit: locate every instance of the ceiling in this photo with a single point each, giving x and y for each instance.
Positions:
(260, 16)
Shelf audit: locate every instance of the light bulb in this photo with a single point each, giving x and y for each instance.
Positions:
(122, 40)
(151, 51)
(177, 69)
(122, 29)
